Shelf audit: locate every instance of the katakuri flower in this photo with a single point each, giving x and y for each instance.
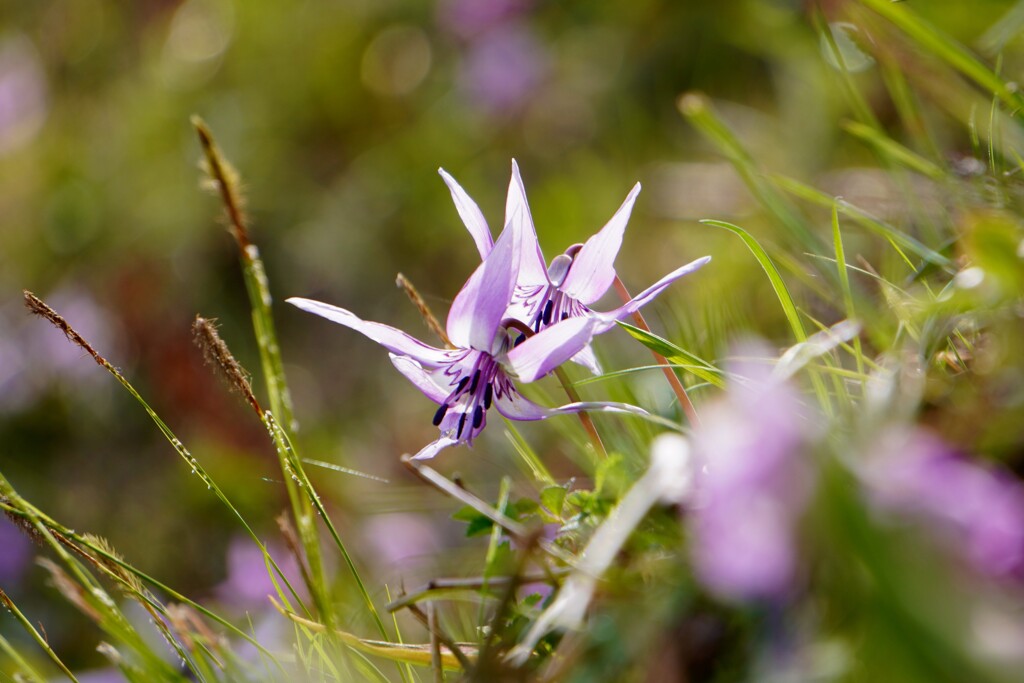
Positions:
(489, 352)
(548, 294)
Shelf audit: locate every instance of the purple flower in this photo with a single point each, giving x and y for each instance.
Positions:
(15, 552)
(489, 351)
(978, 509)
(754, 488)
(248, 582)
(503, 69)
(545, 295)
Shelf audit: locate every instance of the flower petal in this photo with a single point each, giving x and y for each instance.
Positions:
(471, 215)
(394, 340)
(532, 269)
(543, 352)
(422, 379)
(587, 359)
(478, 309)
(434, 447)
(608, 319)
(593, 269)
(515, 406)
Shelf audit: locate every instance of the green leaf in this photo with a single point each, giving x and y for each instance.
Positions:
(552, 498)
(676, 355)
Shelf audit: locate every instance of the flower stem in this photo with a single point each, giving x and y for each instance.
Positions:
(585, 418)
(670, 375)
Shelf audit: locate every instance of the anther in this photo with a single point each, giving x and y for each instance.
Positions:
(462, 425)
(488, 392)
(478, 417)
(519, 340)
(548, 308)
(462, 385)
(476, 380)
(439, 415)
(565, 315)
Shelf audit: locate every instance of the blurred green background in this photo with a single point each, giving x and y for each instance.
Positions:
(337, 114)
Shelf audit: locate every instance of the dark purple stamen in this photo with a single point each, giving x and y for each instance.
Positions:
(488, 391)
(462, 385)
(519, 340)
(439, 415)
(462, 425)
(565, 315)
(548, 307)
(478, 417)
(476, 380)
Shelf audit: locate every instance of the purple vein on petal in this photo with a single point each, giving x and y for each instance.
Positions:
(593, 269)
(543, 352)
(392, 339)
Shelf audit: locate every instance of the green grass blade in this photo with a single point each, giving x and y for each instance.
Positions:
(778, 284)
(36, 636)
(899, 239)
(844, 283)
(677, 355)
(696, 108)
(945, 48)
(893, 150)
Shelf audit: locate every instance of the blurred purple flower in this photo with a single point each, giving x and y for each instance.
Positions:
(754, 487)
(503, 69)
(464, 380)
(248, 583)
(35, 357)
(545, 295)
(978, 509)
(469, 18)
(15, 552)
(398, 538)
(23, 93)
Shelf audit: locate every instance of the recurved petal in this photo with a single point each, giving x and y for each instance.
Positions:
(593, 269)
(516, 407)
(587, 359)
(532, 269)
(392, 339)
(608, 319)
(471, 215)
(422, 379)
(478, 309)
(543, 352)
(434, 447)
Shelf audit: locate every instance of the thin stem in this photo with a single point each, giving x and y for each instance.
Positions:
(670, 375)
(585, 419)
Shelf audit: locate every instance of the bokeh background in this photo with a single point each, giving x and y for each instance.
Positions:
(337, 114)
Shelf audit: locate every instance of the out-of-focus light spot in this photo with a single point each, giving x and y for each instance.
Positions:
(845, 37)
(505, 70)
(469, 18)
(969, 278)
(23, 93)
(201, 30)
(396, 61)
